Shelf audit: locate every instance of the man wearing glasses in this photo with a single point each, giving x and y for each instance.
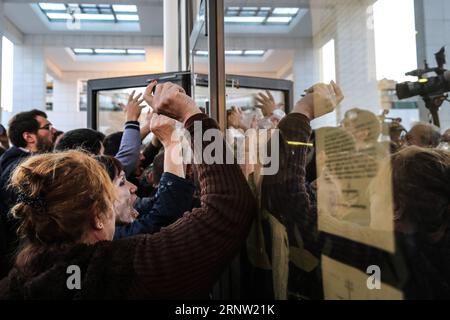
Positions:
(30, 133)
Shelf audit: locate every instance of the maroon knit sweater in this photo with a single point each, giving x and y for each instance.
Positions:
(183, 261)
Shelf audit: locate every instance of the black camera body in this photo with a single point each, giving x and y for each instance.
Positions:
(433, 90)
(434, 86)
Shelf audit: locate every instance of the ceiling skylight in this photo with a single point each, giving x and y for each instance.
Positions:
(287, 11)
(235, 53)
(108, 52)
(244, 19)
(262, 15)
(117, 13)
(52, 6)
(124, 8)
(279, 19)
(83, 51)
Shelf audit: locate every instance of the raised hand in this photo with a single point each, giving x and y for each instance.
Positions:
(170, 100)
(148, 119)
(320, 100)
(163, 128)
(134, 108)
(266, 103)
(236, 118)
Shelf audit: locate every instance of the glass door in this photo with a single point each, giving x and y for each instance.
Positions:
(106, 95)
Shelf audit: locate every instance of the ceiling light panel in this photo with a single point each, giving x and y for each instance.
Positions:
(116, 13)
(262, 15)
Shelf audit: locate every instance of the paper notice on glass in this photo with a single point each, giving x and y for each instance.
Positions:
(354, 188)
(342, 282)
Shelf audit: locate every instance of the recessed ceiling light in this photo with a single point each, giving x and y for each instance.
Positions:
(52, 6)
(254, 52)
(110, 51)
(244, 19)
(234, 52)
(58, 16)
(289, 11)
(124, 8)
(83, 51)
(201, 53)
(279, 19)
(100, 51)
(127, 17)
(136, 51)
(83, 16)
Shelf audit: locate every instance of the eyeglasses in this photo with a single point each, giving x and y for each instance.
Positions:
(48, 127)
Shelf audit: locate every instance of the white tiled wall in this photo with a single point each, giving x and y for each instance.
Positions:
(28, 80)
(66, 115)
(304, 68)
(346, 21)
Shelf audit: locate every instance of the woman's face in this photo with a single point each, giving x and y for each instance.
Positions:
(126, 197)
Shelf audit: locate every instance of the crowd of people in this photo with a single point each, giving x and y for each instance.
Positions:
(140, 223)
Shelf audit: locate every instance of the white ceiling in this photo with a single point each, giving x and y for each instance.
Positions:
(28, 21)
(65, 62)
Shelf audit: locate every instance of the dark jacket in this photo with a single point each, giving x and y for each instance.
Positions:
(8, 162)
(183, 261)
(173, 198)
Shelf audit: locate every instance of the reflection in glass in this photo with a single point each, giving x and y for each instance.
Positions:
(111, 114)
(338, 195)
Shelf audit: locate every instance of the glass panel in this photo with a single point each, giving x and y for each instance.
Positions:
(74, 6)
(343, 190)
(199, 63)
(90, 10)
(111, 115)
(106, 11)
(246, 100)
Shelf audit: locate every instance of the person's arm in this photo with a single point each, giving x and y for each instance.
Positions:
(129, 149)
(285, 194)
(185, 259)
(128, 154)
